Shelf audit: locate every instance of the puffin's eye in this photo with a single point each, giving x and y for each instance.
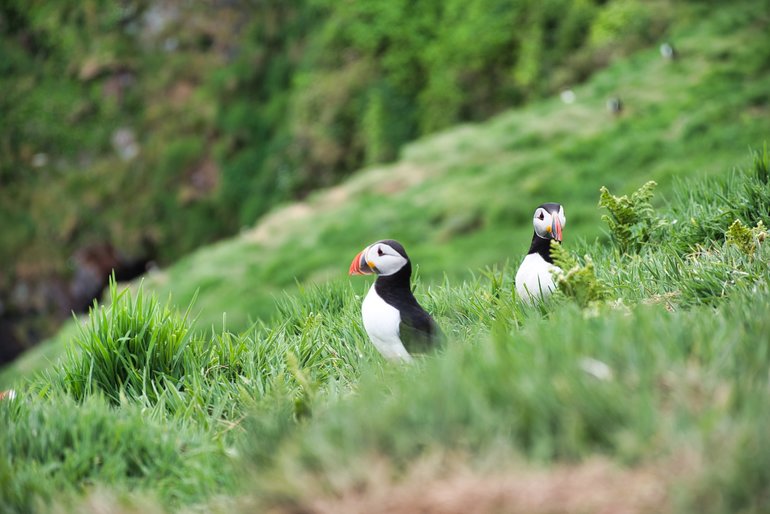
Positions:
(379, 251)
(541, 216)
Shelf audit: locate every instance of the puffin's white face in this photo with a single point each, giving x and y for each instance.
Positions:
(383, 259)
(379, 258)
(548, 224)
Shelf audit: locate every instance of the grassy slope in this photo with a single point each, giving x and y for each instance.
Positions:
(463, 199)
(683, 394)
(667, 383)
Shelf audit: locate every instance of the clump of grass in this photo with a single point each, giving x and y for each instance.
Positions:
(137, 350)
(700, 253)
(706, 208)
(705, 274)
(134, 346)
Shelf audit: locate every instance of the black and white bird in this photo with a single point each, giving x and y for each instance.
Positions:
(395, 322)
(534, 280)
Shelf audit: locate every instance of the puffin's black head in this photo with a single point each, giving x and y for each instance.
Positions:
(549, 220)
(384, 258)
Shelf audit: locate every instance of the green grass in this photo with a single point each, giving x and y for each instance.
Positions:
(193, 408)
(689, 382)
(62, 451)
(298, 409)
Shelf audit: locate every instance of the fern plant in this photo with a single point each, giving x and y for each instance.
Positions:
(575, 280)
(631, 220)
(746, 238)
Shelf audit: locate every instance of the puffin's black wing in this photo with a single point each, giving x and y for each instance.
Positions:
(418, 331)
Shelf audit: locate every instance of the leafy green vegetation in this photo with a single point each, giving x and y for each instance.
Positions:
(631, 220)
(746, 238)
(577, 280)
(653, 357)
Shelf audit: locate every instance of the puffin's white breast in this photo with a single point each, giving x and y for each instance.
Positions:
(382, 322)
(534, 279)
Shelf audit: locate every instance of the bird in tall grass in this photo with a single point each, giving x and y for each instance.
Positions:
(396, 324)
(534, 280)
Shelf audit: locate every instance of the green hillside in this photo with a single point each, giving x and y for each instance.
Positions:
(648, 378)
(645, 380)
(463, 199)
(144, 129)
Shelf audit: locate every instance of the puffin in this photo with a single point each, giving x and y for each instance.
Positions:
(396, 324)
(533, 279)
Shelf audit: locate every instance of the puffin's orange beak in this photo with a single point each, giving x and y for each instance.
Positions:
(556, 227)
(359, 265)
